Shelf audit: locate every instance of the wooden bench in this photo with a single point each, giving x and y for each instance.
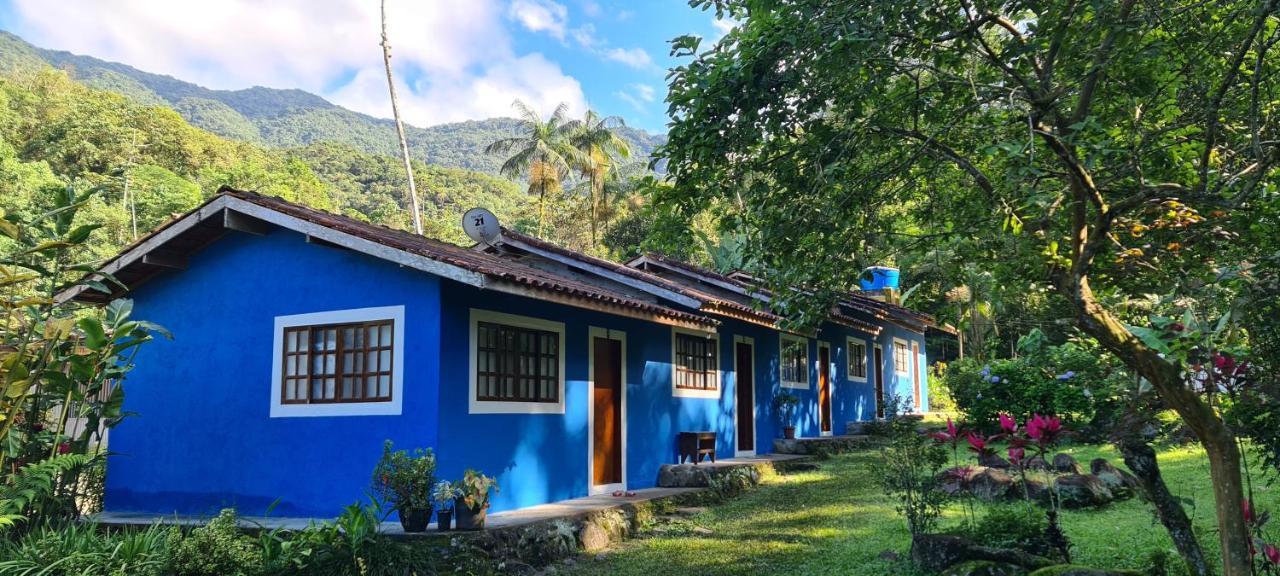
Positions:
(695, 445)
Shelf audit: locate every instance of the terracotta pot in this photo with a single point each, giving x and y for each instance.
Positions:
(444, 519)
(415, 520)
(789, 432)
(469, 519)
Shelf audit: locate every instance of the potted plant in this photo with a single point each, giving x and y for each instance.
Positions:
(786, 403)
(444, 494)
(404, 482)
(472, 503)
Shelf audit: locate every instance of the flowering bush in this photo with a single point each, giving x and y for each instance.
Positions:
(405, 481)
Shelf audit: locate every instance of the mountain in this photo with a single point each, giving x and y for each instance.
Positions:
(285, 118)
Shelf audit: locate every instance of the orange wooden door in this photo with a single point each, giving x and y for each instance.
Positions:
(879, 372)
(607, 416)
(824, 388)
(915, 373)
(746, 411)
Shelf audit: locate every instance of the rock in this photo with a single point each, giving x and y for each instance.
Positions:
(955, 480)
(699, 530)
(1066, 464)
(993, 460)
(937, 552)
(594, 537)
(990, 484)
(1037, 491)
(1082, 491)
(1122, 483)
(889, 556)
(1071, 570)
(1037, 463)
(683, 476)
(984, 568)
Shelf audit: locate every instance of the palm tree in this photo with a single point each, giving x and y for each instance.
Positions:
(542, 151)
(600, 147)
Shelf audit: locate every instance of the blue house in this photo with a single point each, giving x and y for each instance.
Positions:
(303, 340)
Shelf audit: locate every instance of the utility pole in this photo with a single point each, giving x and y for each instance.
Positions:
(395, 111)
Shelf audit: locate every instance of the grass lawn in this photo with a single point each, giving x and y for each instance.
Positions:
(836, 521)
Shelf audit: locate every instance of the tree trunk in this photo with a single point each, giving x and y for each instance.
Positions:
(1141, 459)
(395, 112)
(1166, 377)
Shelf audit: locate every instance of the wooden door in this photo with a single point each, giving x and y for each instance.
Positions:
(824, 388)
(879, 370)
(746, 382)
(915, 374)
(607, 413)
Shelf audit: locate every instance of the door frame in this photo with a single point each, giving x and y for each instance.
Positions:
(831, 389)
(755, 412)
(592, 333)
(917, 384)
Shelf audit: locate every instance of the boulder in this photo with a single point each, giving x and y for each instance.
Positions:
(683, 476)
(993, 460)
(1037, 463)
(984, 568)
(1121, 482)
(1036, 490)
(937, 552)
(1082, 491)
(1072, 570)
(1066, 464)
(956, 480)
(990, 484)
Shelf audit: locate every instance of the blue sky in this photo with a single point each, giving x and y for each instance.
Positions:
(454, 59)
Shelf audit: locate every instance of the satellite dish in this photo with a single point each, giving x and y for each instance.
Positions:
(482, 226)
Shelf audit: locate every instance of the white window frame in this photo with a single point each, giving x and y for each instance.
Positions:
(503, 406)
(849, 341)
(782, 345)
(894, 360)
(391, 408)
(690, 392)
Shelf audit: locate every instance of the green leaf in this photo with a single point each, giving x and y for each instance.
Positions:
(94, 335)
(1151, 338)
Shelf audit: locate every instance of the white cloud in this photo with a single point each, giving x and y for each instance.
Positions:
(585, 36)
(456, 56)
(638, 96)
(723, 26)
(633, 57)
(541, 16)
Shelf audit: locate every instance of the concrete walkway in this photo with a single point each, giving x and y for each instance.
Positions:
(566, 509)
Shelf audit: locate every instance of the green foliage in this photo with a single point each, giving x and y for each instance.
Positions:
(940, 399)
(1079, 384)
(83, 549)
(402, 481)
(37, 486)
(910, 472)
(218, 548)
(474, 488)
(1013, 526)
(786, 402)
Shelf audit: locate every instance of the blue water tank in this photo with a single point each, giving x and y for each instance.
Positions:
(879, 278)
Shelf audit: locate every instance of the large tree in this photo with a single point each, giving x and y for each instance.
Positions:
(543, 152)
(601, 148)
(1106, 146)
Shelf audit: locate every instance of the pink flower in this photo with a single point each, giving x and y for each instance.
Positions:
(959, 473)
(64, 448)
(1016, 455)
(1271, 553)
(1224, 362)
(1247, 508)
(976, 443)
(1043, 429)
(949, 437)
(1008, 424)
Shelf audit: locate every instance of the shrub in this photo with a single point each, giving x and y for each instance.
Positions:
(940, 399)
(218, 548)
(1013, 526)
(76, 548)
(1071, 381)
(911, 467)
(404, 481)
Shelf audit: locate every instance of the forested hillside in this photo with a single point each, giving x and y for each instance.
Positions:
(284, 118)
(151, 163)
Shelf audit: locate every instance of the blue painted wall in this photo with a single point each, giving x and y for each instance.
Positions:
(203, 439)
